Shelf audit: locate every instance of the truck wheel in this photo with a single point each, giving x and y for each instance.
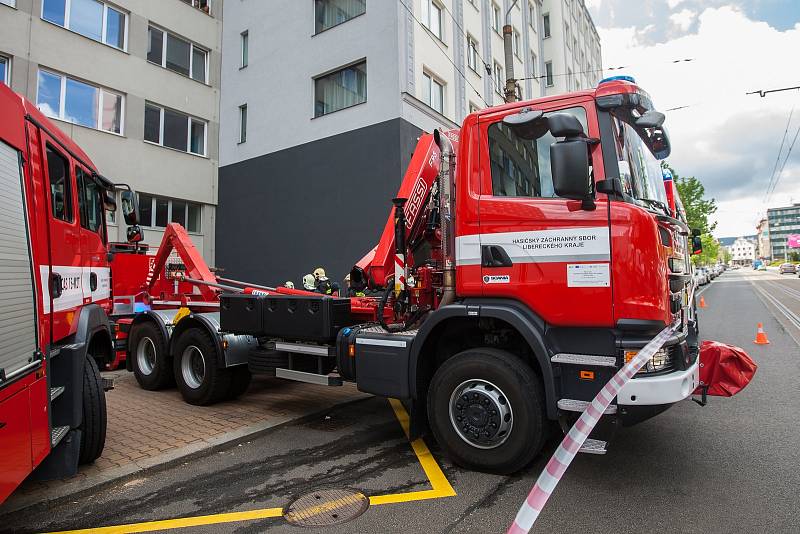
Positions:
(486, 409)
(240, 381)
(93, 425)
(200, 380)
(151, 362)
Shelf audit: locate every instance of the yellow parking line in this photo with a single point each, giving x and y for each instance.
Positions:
(183, 522)
(440, 487)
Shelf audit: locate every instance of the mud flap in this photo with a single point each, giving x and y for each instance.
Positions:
(62, 461)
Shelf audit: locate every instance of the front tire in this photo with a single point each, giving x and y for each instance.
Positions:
(200, 380)
(487, 411)
(93, 425)
(152, 365)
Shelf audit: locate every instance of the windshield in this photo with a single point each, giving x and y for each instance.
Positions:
(640, 171)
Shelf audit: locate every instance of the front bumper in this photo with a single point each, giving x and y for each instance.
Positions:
(657, 390)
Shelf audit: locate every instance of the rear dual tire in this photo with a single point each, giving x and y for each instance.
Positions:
(150, 359)
(200, 379)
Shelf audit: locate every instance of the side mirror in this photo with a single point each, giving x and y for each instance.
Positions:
(697, 245)
(569, 159)
(109, 201)
(651, 119)
(130, 208)
(135, 234)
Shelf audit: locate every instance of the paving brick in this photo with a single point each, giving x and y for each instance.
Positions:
(142, 425)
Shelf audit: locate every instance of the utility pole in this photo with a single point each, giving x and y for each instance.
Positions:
(508, 48)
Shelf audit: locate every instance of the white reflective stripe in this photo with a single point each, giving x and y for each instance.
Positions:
(380, 342)
(539, 246)
(75, 281)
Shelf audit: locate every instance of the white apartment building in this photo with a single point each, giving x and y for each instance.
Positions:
(136, 84)
(321, 108)
(743, 251)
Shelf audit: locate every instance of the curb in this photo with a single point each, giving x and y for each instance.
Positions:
(164, 461)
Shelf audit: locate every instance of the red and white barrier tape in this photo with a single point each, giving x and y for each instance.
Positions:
(578, 434)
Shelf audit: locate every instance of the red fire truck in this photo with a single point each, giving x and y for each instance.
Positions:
(56, 299)
(527, 256)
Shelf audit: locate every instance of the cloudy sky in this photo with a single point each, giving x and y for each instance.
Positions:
(727, 139)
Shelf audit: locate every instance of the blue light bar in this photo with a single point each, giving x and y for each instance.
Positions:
(617, 78)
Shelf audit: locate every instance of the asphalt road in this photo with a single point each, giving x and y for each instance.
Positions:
(729, 467)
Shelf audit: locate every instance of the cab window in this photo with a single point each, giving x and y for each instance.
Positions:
(89, 201)
(521, 167)
(60, 186)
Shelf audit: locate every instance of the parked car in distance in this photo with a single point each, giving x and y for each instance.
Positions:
(785, 268)
(761, 267)
(701, 276)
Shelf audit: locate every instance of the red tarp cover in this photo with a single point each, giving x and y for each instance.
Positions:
(725, 369)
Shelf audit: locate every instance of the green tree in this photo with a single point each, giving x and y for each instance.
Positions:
(698, 208)
(726, 256)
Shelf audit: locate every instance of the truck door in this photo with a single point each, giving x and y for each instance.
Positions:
(63, 277)
(96, 274)
(546, 251)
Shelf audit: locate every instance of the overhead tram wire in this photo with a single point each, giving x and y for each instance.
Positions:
(425, 29)
(786, 159)
(767, 191)
(594, 71)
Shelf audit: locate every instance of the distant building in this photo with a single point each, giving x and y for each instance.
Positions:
(782, 223)
(743, 250)
(136, 85)
(763, 249)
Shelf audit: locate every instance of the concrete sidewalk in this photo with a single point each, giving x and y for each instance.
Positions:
(151, 429)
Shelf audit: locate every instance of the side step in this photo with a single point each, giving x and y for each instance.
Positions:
(55, 392)
(310, 378)
(594, 446)
(572, 405)
(57, 435)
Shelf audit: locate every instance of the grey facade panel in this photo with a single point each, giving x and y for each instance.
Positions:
(320, 204)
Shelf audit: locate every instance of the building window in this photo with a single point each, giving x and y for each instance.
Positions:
(202, 5)
(432, 17)
(245, 39)
(330, 13)
(532, 15)
(496, 22)
(548, 73)
(517, 44)
(90, 18)
(5, 71)
(157, 212)
(70, 100)
(499, 81)
(434, 92)
(472, 54)
(567, 34)
(243, 123)
(533, 65)
(546, 25)
(176, 54)
(340, 89)
(173, 129)
(10, 3)
(569, 79)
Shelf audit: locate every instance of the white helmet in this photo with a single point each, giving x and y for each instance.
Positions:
(310, 282)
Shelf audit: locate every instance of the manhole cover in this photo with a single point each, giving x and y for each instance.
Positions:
(326, 507)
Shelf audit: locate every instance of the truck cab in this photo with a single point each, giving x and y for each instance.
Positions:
(54, 326)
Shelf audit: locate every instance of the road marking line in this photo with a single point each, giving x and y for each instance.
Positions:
(440, 487)
(183, 522)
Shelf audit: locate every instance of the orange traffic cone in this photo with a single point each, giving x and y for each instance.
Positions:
(761, 337)
(702, 302)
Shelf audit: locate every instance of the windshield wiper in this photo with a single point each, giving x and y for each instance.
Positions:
(655, 204)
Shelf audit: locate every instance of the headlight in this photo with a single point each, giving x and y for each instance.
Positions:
(660, 361)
